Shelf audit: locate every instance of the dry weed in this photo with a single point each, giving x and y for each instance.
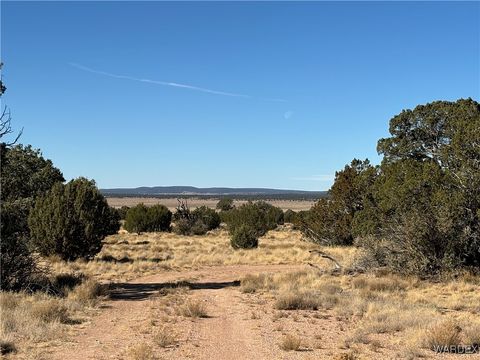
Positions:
(291, 342)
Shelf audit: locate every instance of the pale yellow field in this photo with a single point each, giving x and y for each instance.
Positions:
(172, 203)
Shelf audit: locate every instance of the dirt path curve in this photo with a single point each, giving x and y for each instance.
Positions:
(221, 336)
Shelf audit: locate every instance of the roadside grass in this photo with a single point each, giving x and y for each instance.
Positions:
(127, 256)
(383, 310)
(39, 318)
(193, 309)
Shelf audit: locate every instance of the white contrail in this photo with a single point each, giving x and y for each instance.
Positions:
(166, 83)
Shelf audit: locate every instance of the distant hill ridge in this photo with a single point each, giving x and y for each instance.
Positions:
(192, 190)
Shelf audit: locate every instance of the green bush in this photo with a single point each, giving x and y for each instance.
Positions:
(274, 215)
(141, 218)
(207, 216)
(289, 216)
(330, 221)
(244, 237)
(122, 212)
(259, 216)
(196, 222)
(250, 215)
(25, 174)
(71, 221)
(225, 204)
(18, 266)
(424, 206)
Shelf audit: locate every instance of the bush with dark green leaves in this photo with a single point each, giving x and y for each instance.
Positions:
(196, 222)
(289, 216)
(18, 266)
(71, 221)
(141, 218)
(258, 217)
(274, 215)
(244, 237)
(122, 212)
(25, 174)
(329, 221)
(425, 207)
(207, 216)
(225, 204)
(248, 214)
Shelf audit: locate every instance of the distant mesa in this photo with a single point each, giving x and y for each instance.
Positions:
(213, 191)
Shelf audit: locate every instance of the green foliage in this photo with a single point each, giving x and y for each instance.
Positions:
(71, 220)
(247, 214)
(141, 218)
(290, 216)
(122, 212)
(18, 265)
(225, 204)
(196, 222)
(273, 214)
(244, 237)
(424, 208)
(257, 218)
(25, 174)
(207, 216)
(330, 220)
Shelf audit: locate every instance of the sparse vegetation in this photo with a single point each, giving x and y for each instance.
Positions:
(194, 309)
(164, 337)
(141, 351)
(291, 343)
(295, 300)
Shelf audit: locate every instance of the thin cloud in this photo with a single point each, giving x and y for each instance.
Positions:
(324, 178)
(167, 83)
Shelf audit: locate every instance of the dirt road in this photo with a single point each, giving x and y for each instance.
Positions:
(231, 331)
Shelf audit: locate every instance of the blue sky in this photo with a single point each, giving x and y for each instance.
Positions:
(227, 94)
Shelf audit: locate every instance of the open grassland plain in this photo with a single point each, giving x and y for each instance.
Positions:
(193, 202)
(194, 297)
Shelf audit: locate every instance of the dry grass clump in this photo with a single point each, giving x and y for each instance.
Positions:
(290, 343)
(164, 337)
(388, 283)
(252, 283)
(297, 301)
(346, 356)
(88, 293)
(391, 316)
(40, 317)
(33, 318)
(194, 309)
(141, 351)
(49, 311)
(472, 334)
(442, 334)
